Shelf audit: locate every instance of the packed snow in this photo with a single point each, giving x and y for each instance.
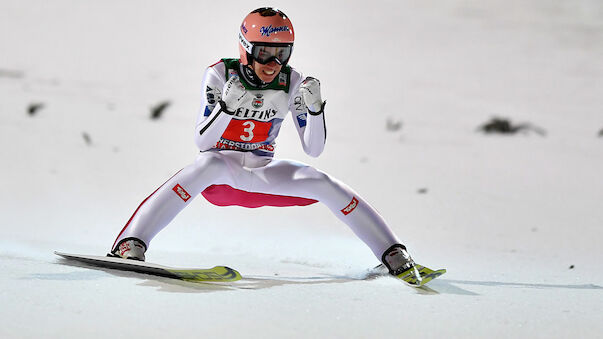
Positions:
(515, 218)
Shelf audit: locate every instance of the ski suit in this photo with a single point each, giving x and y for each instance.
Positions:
(236, 164)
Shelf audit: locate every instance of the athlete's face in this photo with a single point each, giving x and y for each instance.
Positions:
(266, 72)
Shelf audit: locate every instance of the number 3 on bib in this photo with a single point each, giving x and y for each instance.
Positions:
(249, 130)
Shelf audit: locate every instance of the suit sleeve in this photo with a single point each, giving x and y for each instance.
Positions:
(211, 120)
(312, 129)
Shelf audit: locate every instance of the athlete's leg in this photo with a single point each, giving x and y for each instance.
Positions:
(156, 211)
(285, 177)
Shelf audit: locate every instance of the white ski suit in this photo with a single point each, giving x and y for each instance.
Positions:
(236, 164)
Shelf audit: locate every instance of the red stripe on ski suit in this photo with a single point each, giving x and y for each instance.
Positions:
(139, 206)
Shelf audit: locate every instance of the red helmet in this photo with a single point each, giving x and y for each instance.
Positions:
(266, 35)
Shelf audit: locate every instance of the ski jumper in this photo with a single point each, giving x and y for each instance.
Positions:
(236, 165)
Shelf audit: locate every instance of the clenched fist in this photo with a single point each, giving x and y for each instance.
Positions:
(233, 93)
(310, 90)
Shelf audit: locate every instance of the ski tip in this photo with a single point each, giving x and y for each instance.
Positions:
(420, 276)
(215, 274)
(228, 273)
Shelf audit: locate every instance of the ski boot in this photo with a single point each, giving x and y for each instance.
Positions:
(129, 248)
(400, 264)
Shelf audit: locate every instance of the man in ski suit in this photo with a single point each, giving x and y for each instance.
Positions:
(244, 104)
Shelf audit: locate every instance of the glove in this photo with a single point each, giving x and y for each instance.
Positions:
(233, 93)
(310, 90)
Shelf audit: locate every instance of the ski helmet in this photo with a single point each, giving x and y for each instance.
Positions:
(266, 35)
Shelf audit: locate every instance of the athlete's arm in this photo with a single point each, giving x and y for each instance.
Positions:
(308, 115)
(217, 106)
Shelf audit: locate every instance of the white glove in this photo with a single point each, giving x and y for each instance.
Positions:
(233, 93)
(310, 90)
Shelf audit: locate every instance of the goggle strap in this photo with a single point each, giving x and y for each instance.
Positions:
(245, 43)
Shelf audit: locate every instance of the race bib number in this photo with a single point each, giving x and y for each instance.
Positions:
(247, 131)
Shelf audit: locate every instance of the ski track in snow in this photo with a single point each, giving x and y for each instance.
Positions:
(516, 220)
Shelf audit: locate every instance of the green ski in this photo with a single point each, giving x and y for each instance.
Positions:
(425, 273)
(215, 274)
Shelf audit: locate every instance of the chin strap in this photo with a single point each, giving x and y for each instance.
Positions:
(250, 76)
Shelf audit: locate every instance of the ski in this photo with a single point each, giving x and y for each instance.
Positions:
(425, 273)
(215, 274)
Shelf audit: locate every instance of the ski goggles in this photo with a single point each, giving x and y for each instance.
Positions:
(267, 53)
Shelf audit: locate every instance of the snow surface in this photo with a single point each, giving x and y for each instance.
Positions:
(516, 220)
